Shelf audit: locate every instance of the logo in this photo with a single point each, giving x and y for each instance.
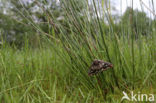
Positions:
(137, 97)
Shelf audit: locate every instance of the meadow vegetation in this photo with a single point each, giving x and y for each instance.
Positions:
(49, 57)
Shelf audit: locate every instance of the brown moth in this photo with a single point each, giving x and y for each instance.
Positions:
(98, 66)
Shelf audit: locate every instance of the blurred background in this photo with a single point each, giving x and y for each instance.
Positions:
(19, 17)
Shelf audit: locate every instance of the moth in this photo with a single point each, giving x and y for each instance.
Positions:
(98, 66)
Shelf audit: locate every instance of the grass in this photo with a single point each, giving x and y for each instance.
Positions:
(40, 75)
(56, 72)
